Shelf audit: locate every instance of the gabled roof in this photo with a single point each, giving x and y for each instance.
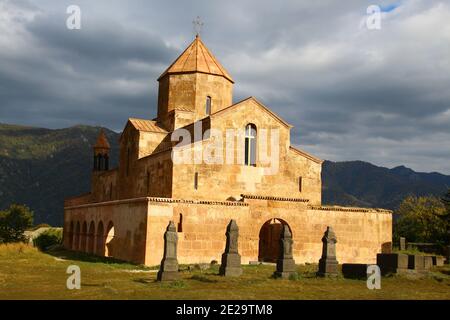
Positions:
(263, 107)
(102, 141)
(146, 125)
(197, 58)
(306, 155)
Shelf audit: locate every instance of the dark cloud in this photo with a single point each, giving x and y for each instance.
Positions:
(351, 93)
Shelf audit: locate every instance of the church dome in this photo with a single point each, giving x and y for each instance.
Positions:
(197, 58)
(102, 141)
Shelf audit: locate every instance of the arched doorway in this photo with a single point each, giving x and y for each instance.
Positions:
(91, 238)
(269, 240)
(109, 252)
(83, 237)
(76, 237)
(100, 247)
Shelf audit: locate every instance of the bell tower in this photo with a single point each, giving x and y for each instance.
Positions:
(101, 153)
(193, 87)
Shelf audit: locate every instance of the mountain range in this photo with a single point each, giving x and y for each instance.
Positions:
(40, 167)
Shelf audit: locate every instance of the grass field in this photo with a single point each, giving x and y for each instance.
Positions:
(26, 273)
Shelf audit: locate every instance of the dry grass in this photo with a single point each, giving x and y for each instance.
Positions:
(26, 273)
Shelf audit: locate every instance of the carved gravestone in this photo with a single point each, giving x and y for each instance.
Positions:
(328, 265)
(392, 263)
(438, 261)
(231, 259)
(169, 264)
(416, 262)
(285, 263)
(427, 262)
(402, 244)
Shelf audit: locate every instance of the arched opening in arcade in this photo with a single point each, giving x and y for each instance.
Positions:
(91, 238)
(83, 237)
(76, 237)
(100, 240)
(109, 242)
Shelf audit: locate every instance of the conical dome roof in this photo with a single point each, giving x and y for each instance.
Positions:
(102, 141)
(197, 58)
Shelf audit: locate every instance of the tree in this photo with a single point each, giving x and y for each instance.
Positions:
(13, 222)
(446, 201)
(446, 217)
(421, 219)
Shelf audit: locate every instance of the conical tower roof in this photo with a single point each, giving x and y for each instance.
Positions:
(197, 58)
(102, 141)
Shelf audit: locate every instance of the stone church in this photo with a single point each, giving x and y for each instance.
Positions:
(129, 207)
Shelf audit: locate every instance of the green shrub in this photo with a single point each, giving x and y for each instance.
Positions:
(41, 225)
(48, 238)
(294, 277)
(13, 222)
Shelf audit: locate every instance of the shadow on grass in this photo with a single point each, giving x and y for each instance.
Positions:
(144, 280)
(94, 284)
(446, 272)
(85, 257)
(203, 279)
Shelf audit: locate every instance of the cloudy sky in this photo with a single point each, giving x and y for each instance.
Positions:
(352, 93)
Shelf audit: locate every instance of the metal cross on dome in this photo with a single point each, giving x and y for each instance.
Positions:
(198, 24)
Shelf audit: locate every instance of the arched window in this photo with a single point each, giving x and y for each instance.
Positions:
(208, 105)
(250, 145)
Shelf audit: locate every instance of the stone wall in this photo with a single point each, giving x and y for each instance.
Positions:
(189, 91)
(361, 233)
(104, 185)
(222, 180)
(149, 142)
(128, 218)
(139, 226)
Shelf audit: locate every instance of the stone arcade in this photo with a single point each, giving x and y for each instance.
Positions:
(126, 213)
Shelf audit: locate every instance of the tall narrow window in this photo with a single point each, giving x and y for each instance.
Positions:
(250, 145)
(180, 224)
(100, 162)
(300, 184)
(106, 159)
(128, 161)
(196, 181)
(208, 105)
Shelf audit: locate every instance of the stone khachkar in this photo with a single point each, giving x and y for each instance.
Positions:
(231, 259)
(402, 245)
(328, 265)
(285, 263)
(169, 264)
